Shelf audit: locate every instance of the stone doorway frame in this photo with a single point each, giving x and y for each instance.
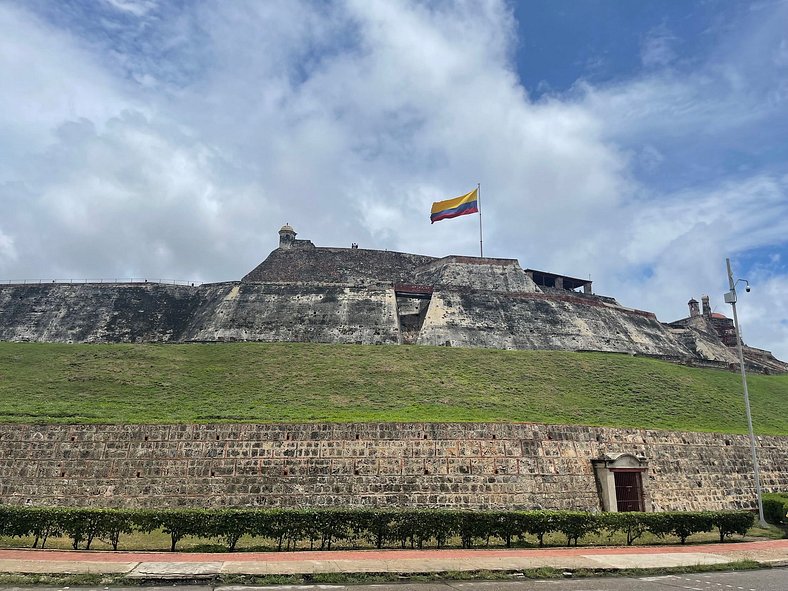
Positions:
(605, 469)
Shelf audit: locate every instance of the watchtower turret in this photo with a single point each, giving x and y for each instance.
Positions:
(287, 236)
(706, 306)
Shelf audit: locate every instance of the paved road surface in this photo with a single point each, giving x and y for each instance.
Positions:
(775, 579)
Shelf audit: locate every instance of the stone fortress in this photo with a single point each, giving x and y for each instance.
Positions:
(304, 293)
(350, 295)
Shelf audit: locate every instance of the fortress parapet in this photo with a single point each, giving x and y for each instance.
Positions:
(305, 293)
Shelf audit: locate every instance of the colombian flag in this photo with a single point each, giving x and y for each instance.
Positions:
(452, 208)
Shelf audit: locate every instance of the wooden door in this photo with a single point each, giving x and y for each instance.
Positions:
(629, 491)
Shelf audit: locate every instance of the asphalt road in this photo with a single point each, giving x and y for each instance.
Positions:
(775, 579)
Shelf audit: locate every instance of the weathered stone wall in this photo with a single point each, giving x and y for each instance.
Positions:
(350, 266)
(291, 312)
(360, 308)
(342, 313)
(475, 318)
(421, 465)
(94, 312)
(111, 313)
(488, 274)
(304, 293)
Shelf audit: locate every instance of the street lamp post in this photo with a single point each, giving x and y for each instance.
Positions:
(730, 298)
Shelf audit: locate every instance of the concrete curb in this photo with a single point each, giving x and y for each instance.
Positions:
(773, 562)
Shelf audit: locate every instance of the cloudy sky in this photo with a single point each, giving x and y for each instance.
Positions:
(639, 143)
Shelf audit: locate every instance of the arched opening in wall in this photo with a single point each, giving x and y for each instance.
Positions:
(620, 483)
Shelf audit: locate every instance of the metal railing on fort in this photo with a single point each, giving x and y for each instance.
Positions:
(116, 280)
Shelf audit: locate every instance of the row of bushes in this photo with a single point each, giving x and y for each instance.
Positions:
(380, 528)
(775, 508)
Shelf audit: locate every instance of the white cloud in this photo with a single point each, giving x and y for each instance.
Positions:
(136, 7)
(7, 250)
(46, 78)
(780, 56)
(133, 200)
(763, 314)
(183, 154)
(683, 241)
(657, 47)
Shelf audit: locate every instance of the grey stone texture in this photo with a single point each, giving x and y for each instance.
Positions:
(93, 312)
(133, 313)
(496, 275)
(348, 266)
(567, 321)
(304, 293)
(468, 465)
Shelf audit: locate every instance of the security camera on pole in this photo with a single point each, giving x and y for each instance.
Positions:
(730, 298)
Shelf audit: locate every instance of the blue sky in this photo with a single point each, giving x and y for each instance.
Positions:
(602, 41)
(640, 143)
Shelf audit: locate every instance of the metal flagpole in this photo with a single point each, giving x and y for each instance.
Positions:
(479, 201)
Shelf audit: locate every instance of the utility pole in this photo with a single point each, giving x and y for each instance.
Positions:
(730, 298)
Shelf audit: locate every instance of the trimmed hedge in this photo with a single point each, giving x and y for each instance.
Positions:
(379, 527)
(775, 508)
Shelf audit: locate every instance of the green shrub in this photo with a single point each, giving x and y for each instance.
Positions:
(576, 524)
(271, 523)
(480, 525)
(39, 522)
(376, 524)
(774, 511)
(324, 527)
(632, 523)
(113, 523)
(81, 525)
(681, 525)
(508, 525)
(328, 525)
(228, 525)
(415, 527)
(179, 523)
(775, 507)
(540, 523)
(732, 522)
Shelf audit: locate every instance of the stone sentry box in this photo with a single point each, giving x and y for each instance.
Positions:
(621, 481)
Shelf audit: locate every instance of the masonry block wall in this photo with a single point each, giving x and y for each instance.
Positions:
(468, 465)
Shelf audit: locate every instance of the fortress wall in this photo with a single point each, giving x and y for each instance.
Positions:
(424, 465)
(353, 266)
(297, 312)
(708, 346)
(94, 312)
(336, 313)
(539, 321)
(487, 274)
(149, 312)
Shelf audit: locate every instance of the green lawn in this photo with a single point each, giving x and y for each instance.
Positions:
(294, 382)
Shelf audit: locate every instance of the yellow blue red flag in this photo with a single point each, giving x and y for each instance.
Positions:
(452, 208)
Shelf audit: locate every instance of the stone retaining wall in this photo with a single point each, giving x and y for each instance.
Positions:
(424, 465)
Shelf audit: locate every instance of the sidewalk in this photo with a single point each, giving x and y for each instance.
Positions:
(177, 565)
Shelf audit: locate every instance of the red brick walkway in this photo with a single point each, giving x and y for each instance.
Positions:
(361, 555)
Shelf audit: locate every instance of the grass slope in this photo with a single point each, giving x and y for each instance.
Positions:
(294, 382)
